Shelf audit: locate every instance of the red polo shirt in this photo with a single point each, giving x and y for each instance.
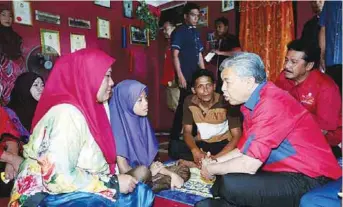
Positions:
(283, 135)
(6, 127)
(320, 95)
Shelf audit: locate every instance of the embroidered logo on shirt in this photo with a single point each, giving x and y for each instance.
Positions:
(307, 99)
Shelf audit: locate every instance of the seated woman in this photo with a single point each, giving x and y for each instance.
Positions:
(135, 139)
(71, 155)
(25, 95)
(9, 149)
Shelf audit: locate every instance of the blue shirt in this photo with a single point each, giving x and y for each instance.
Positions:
(331, 19)
(186, 39)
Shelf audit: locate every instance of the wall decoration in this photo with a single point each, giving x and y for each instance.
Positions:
(228, 5)
(149, 18)
(123, 37)
(203, 18)
(128, 8)
(139, 36)
(77, 42)
(22, 12)
(104, 3)
(50, 38)
(79, 23)
(48, 17)
(103, 28)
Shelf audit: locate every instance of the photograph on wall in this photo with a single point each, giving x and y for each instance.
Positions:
(48, 17)
(22, 12)
(139, 36)
(203, 17)
(228, 5)
(77, 42)
(104, 3)
(128, 8)
(50, 38)
(79, 23)
(103, 28)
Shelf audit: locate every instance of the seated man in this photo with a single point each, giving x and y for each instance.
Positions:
(317, 92)
(218, 125)
(282, 153)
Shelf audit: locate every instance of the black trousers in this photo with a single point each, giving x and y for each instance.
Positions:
(335, 72)
(178, 149)
(264, 189)
(177, 123)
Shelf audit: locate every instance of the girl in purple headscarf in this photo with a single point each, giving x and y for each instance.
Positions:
(135, 139)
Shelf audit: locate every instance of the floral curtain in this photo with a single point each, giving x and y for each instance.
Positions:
(265, 29)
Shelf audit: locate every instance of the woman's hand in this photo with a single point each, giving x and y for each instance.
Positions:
(156, 167)
(127, 183)
(176, 181)
(10, 172)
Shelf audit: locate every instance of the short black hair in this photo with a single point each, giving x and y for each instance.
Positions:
(190, 6)
(202, 72)
(311, 51)
(223, 20)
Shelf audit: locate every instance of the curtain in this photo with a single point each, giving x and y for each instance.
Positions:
(265, 29)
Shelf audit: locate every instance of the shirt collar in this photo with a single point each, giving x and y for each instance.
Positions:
(255, 96)
(195, 100)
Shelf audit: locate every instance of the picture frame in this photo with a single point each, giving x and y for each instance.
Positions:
(127, 8)
(103, 28)
(203, 18)
(77, 42)
(139, 36)
(228, 5)
(22, 12)
(47, 17)
(50, 38)
(79, 23)
(103, 3)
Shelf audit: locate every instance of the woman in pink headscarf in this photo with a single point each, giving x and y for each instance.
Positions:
(71, 156)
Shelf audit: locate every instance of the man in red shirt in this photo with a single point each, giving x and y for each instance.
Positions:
(317, 92)
(282, 153)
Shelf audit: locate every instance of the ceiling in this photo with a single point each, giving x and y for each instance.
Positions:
(157, 3)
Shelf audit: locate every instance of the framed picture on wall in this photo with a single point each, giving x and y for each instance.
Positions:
(104, 3)
(77, 42)
(127, 8)
(228, 5)
(203, 18)
(79, 23)
(48, 17)
(103, 28)
(50, 38)
(139, 36)
(22, 12)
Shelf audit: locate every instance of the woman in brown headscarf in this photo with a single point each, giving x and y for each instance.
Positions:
(11, 60)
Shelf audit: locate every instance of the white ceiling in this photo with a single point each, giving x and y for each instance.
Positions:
(157, 3)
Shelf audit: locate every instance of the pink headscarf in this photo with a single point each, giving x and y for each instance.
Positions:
(76, 79)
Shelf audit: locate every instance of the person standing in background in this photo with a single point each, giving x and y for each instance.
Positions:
(187, 58)
(226, 45)
(11, 60)
(330, 41)
(168, 78)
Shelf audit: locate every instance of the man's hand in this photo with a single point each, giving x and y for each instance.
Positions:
(127, 183)
(176, 181)
(322, 65)
(182, 81)
(198, 155)
(205, 173)
(10, 172)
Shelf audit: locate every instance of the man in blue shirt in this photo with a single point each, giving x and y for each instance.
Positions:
(330, 40)
(187, 58)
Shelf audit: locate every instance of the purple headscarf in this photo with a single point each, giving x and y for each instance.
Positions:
(134, 137)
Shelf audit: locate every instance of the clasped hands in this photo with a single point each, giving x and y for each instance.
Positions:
(203, 160)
